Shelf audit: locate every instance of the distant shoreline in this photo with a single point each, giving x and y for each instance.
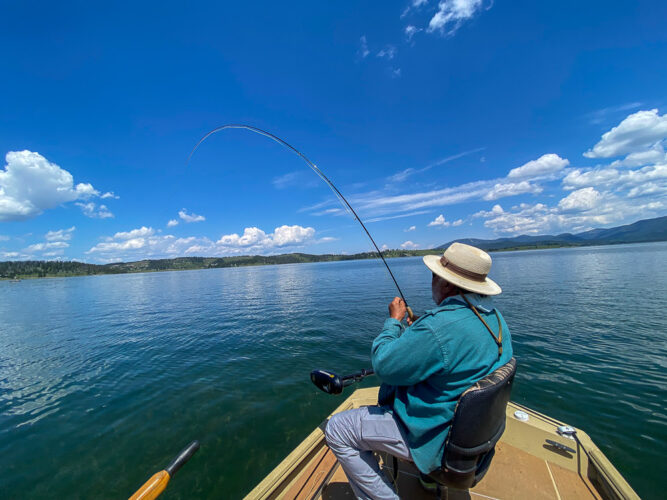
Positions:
(60, 269)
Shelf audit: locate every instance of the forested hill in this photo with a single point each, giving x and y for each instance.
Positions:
(41, 269)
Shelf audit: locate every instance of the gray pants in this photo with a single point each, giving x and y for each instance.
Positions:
(354, 435)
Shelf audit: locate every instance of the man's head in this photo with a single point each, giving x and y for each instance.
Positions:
(462, 267)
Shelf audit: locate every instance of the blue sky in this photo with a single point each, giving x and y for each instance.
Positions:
(438, 120)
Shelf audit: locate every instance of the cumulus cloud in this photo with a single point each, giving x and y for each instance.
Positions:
(614, 179)
(92, 210)
(30, 184)
(544, 165)
(409, 245)
(640, 130)
(141, 232)
(145, 242)
(40, 247)
(60, 234)
(172, 223)
(457, 222)
(580, 200)
(439, 222)
(502, 190)
(639, 158)
(184, 215)
(575, 213)
(411, 228)
(452, 14)
(254, 237)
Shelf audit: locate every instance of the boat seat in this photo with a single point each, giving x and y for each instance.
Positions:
(478, 423)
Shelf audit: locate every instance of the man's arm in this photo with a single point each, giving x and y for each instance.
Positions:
(406, 358)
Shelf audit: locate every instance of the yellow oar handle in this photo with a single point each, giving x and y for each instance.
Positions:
(155, 485)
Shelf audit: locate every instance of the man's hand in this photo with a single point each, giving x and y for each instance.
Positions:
(397, 309)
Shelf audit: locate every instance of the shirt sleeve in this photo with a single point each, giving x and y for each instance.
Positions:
(406, 357)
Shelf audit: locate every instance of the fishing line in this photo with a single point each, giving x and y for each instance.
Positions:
(321, 175)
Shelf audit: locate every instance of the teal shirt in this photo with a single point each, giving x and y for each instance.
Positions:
(427, 366)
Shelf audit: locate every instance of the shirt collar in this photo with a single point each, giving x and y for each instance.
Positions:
(484, 304)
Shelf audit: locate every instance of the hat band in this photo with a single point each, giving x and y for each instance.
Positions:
(447, 264)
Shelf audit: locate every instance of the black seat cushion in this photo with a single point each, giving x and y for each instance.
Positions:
(478, 424)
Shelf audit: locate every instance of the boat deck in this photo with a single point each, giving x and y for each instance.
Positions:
(526, 465)
(531, 478)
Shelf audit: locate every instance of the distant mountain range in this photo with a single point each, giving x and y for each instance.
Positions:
(640, 231)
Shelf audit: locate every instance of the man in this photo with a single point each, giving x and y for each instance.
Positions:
(424, 369)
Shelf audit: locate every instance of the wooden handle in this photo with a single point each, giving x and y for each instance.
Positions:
(153, 487)
(411, 315)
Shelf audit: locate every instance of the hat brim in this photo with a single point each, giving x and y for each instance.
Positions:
(486, 287)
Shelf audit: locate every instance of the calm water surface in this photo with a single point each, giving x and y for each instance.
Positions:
(104, 378)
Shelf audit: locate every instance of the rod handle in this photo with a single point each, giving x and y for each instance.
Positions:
(185, 455)
(411, 315)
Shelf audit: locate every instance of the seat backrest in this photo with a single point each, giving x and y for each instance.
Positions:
(479, 421)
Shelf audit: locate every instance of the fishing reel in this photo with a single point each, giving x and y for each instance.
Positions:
(332, 383)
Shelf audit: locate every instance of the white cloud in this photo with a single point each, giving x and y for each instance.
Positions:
(411, 228)
(399, 216)
(614, 179)
(457, 222)
(600, 115)
(650, 156)
(395, 73)
(172, 223)
(4, 238)
(496, 210)
(584, 211)
(439, 222)
(60, 235)
(40, 247)
(580, 200)
(145, 242)
(409, 245)
(640, 130)
(404, 174)
(388, 52)
(452, 13)
(415, 4)
(30, 184)
(546, 164)
(363, 47)
(91, 210)
(184, 215)
(411, 31)
(254, 237)
(141, 232)
(502, 190)
(109, 194)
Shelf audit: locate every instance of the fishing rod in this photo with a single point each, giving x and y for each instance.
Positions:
(321, 175)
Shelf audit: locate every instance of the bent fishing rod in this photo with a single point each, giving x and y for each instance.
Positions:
(321, 175)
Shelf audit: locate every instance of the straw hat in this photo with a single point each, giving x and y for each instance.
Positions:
(466, 267)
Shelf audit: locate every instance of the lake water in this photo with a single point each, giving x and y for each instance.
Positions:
(103, 379)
